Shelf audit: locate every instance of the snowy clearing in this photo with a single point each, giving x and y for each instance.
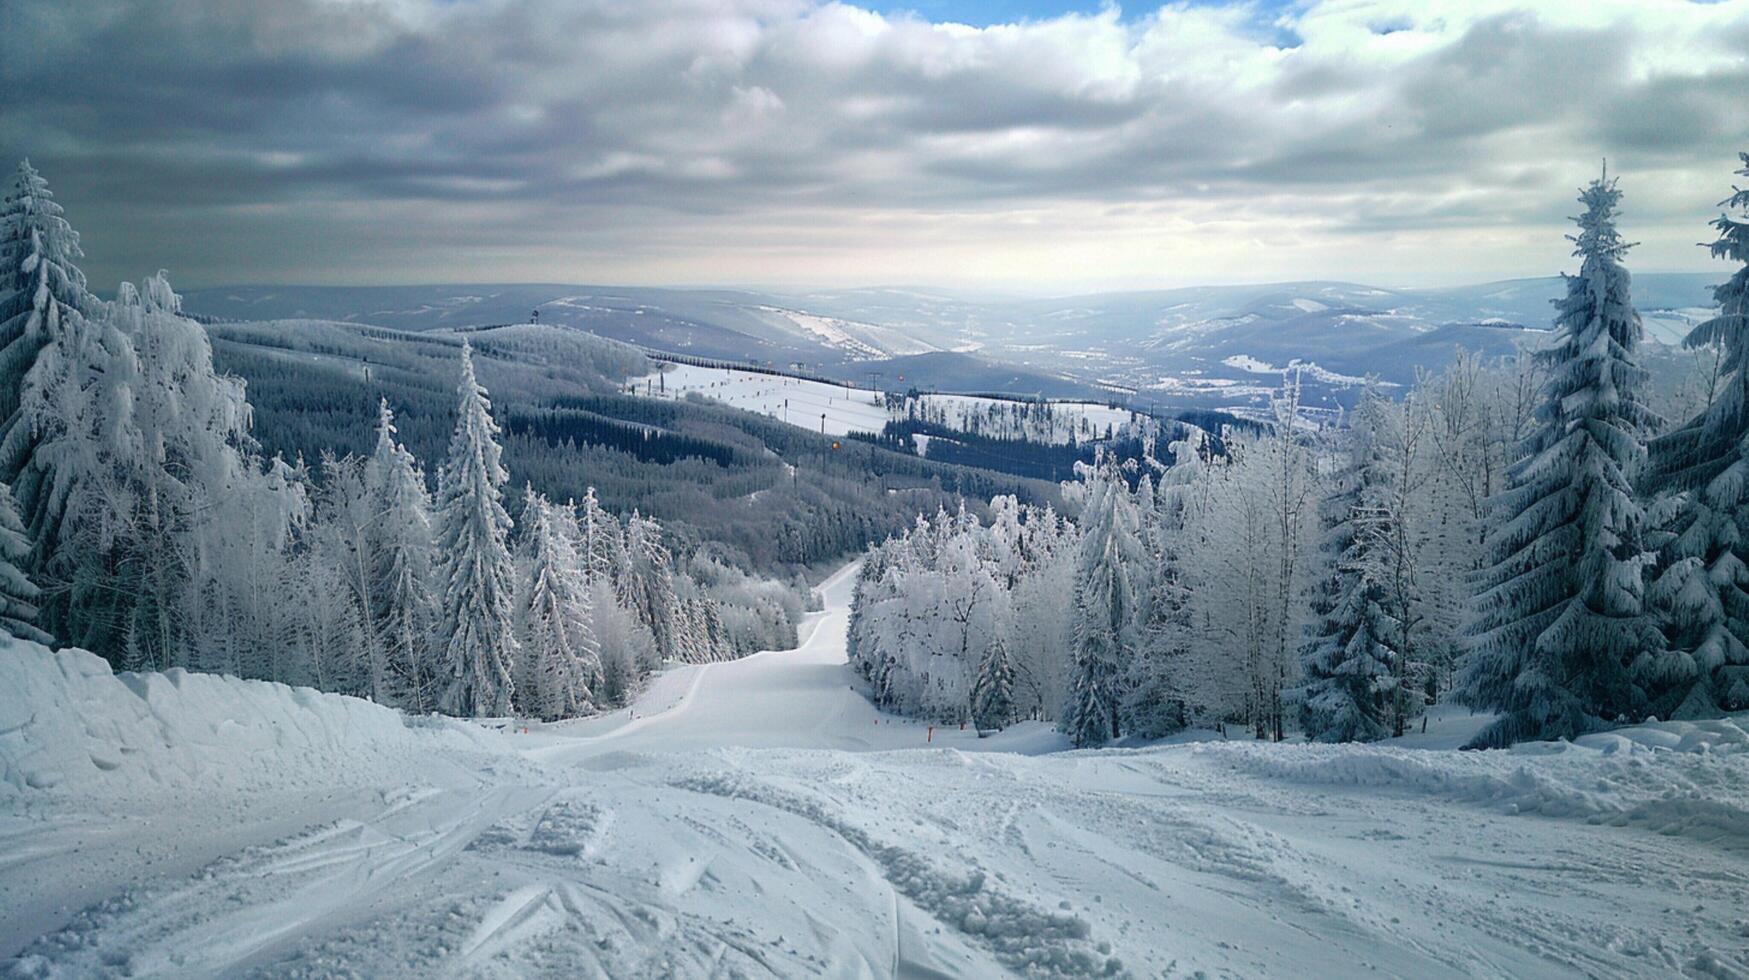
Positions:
(759, 817)
(835, 409)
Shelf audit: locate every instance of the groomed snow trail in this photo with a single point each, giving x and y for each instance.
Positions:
(761, 818)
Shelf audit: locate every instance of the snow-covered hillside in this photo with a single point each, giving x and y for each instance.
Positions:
(832, 409)
(759, 817)
(837, 409)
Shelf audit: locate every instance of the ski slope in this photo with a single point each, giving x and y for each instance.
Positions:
(833, 410)
(760, 818)
(836, 409)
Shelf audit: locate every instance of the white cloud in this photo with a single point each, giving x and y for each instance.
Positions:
(749, 140)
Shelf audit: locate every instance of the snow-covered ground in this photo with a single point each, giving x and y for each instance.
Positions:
(833, 409)
(760, 817)
(836, 409)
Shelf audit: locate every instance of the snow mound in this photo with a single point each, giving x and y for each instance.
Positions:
(71, 727)
(1679, 778)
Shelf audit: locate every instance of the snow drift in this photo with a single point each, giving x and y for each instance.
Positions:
(69, 726)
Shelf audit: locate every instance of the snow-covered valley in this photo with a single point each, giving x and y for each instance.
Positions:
(760, 817)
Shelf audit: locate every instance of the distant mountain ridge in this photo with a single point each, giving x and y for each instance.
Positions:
(1202, 346)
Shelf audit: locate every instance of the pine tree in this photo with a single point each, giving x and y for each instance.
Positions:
(993, 693)
(560, 656)
(601, 545)
(401, 567)
(18, 594)
(39, 284)
(1107, 613)
(1349, 661)
(1154, 703)
(476, 624)
(1702, 590)
(648, 584)
(1561, 615)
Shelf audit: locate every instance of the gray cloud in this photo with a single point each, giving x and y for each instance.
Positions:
(710, 140)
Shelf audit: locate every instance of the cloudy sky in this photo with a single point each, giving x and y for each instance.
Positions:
(1010, 144)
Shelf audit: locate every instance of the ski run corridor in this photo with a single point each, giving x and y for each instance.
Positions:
(760, 818)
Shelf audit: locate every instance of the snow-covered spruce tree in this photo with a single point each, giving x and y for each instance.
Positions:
(18, 594)
(336, 540)
(1349, 660)
(475, 628)
(561, 661)
(265, 523)
(1155, 683)
(401, 563)
(1701, 593)
(1108, 613)
(993, 692)
(600, 542)
(1560, 616)
(647, 585)
(627, 651)
(38, 282)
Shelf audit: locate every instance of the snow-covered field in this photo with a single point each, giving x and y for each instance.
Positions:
(760, 817)
(833, 409)
(836, 409)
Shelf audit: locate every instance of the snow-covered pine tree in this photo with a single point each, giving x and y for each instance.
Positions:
(648, 584)
(338, 540)
(475, 627)
(38, 281)
(993, 692)
(1108, 614)
(587, 644)
(1701, 593)
(559, 653)
(194, 454)
(1348, 660)
(1560, 615)
(600, 542)
(401, 563)
(18, 594)
(1155, 685)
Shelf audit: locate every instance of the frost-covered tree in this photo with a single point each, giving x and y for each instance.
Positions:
(18, 594)
(401, 563)
(1351, 657)
(1702, 590)
(628, 653)
(647, 583)
(1109, 586)
(561, 659)
(136, 452)
(1560, 616)
(1155, 685)
(601, 545)
(475, 628)
(993, 692)
(39, 284)
(265, 522)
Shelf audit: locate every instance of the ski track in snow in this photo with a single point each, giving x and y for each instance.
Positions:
(760, 817)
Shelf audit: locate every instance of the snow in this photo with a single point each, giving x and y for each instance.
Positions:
(1246, 362)
(837, 409)
(1251, 365)
(820, 406)
(861, 341)
(760, 817)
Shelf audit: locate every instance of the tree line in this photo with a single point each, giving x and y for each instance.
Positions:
(140, 519)
(1525, 536)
